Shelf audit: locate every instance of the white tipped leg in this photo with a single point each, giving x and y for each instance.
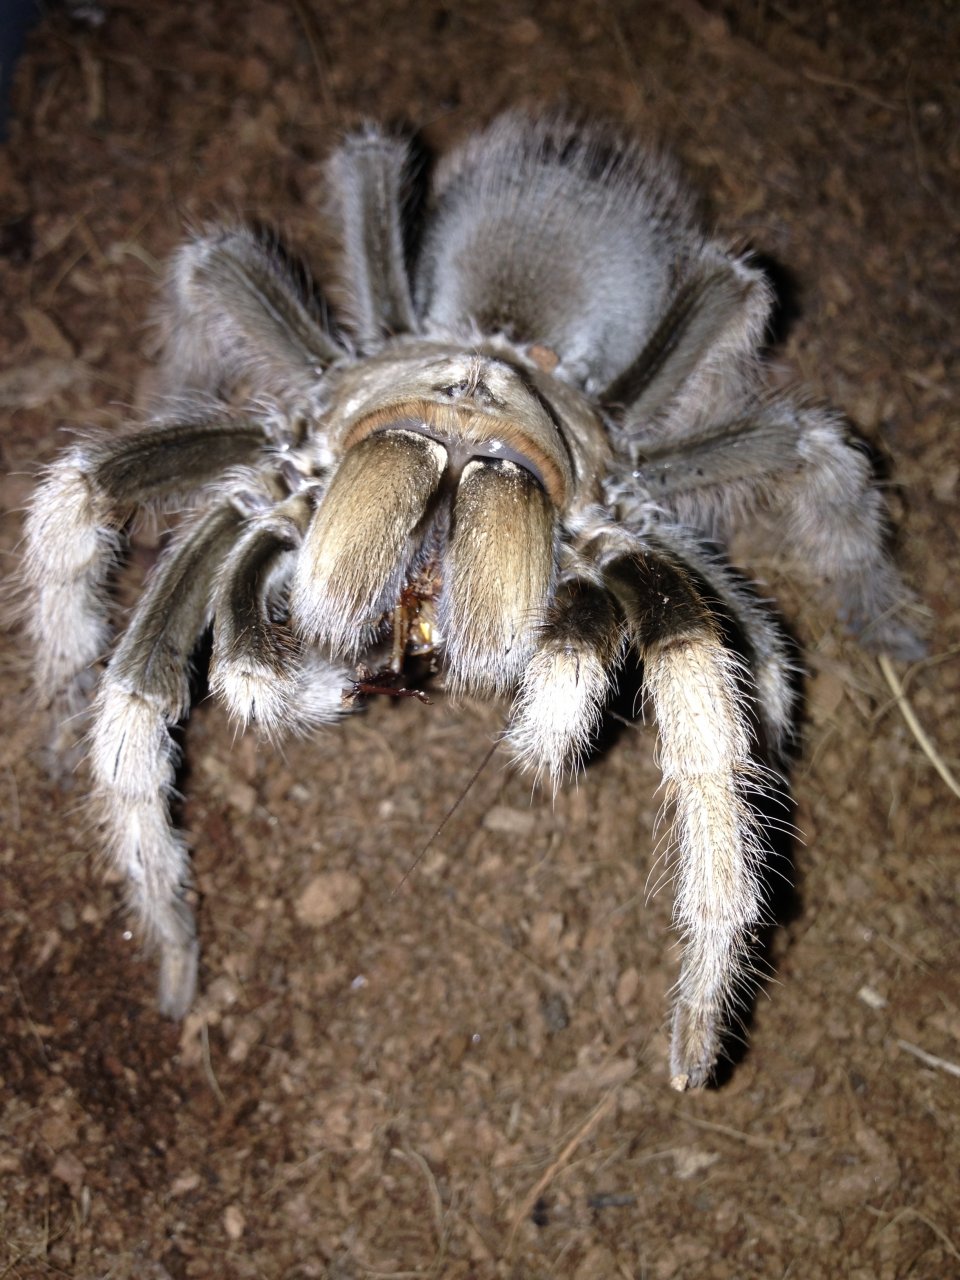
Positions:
(565, 684)
(73, 538)
(834, 525)
(134, 760)
(259, 667)
(143, 693)
(692, 681)
(708, 772)
(800, 464)
(770, 668)
(71, 549)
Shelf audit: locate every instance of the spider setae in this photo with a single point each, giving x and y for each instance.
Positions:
(521, 448)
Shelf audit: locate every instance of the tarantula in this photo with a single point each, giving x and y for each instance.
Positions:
(539, 417)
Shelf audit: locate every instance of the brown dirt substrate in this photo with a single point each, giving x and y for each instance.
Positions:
(466, 1076)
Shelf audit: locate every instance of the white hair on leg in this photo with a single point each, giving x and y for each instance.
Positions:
(708, 772)
(557, 709)
(143, 694)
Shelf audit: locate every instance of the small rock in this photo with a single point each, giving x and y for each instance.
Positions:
(185, 1183)
(69, 1170)
(329, 896)
(523, 32)
(689, 1161)
(944, 483)
(234, 1223)
(628, 984)
(824, 695)
(246, 1034)
(511, 822)
(872, 998)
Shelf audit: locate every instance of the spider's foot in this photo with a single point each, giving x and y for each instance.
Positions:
(179, 962)
(695, 1048)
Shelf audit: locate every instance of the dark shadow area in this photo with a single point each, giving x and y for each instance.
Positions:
(787, 304)
(16, 19)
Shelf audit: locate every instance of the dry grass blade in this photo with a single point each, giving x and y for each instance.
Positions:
(914, 725)
(208, 1063)
(755, 1140)
(909, 1212)
(533, 1195)
(930, 1059)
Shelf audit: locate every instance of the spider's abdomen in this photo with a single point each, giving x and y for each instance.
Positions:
(548, 234)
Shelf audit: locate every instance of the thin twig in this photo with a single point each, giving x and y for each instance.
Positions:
(905, 954)
(388, 1275)
(433, 1191)
(581, 1135)
(748, 1139)
(908, 1211)
(28, 1018)
(311, 31)
(14, 822)
(449, 814)
(834, 82)
(923, 173)
(208, 1063)
(930, 1059)
(906, 710)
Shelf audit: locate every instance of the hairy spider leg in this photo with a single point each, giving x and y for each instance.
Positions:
(799, 464)
(143, 694)
(773, 673)
(369, 177)
(692, 681)
(74, 526)
(557, 710)
(710, 331)
(237, 311)
(259, 667)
